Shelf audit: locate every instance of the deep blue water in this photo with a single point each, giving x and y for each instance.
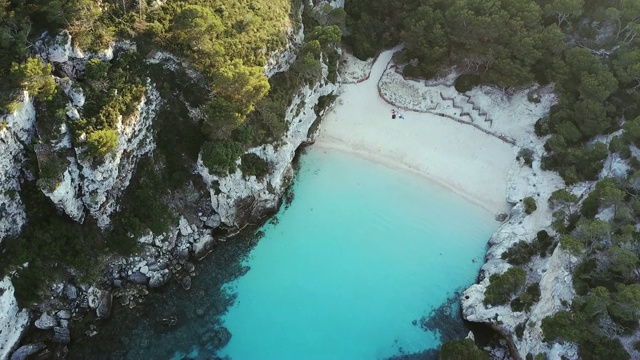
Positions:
(345, 272)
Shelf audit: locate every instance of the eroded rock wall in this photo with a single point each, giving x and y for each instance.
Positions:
(16, 132)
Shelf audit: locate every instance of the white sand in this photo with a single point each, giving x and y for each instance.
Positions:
(458, 156)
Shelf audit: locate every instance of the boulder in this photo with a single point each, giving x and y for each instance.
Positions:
(158, 278)
(26, 350)
(213, 221)
(501, 217)
(186, 282)
(138, 278)
(104, 308)
(61, 335)
(46, 322)
(64, 314)
(72, 292)
(189, 267)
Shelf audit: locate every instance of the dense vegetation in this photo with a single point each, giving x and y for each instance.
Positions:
(589, 51)
(225, 42)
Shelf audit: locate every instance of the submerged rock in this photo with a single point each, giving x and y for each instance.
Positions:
(186, 282)
(61, 335)
(138, 278)
(104, 308)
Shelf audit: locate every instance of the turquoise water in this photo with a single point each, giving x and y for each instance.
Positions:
(361, 253)
(347, 271)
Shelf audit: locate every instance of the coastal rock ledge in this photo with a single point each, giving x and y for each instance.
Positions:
(552, 272)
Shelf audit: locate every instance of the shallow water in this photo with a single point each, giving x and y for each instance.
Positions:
(345, 272)
(361, 253)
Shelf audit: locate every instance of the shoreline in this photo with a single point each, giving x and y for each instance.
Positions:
(459, 156)
(427, 177)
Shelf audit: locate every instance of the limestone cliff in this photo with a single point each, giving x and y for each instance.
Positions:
(13, 321)
(552, 272)
(239, 199)
(86, 184)
(16, 132)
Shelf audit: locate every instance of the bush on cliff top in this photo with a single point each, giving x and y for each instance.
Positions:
(462, 350)
(502, 287)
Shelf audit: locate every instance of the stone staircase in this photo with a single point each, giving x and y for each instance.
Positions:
(468, 108)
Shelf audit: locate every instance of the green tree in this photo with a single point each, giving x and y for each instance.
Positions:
(565, 9)
(502, 287)
(35, 78)
(562, 198)
(101, 142)
(621, 261)
(196, 30)
(626, 303)
(572, 245)
(462, 350)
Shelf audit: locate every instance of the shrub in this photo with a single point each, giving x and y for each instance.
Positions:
(220, 157)
(527, 298)
(519, 330)
(501, 287)
(518, 254)
(526, 155)
(462, 350)
(466, 82)
(543, 242)
(541, 127)
(101, 142)
(529, 205)
(252, 164)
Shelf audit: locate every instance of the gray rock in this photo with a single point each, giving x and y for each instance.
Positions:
(117, 283)
(46, 322)
(189, 267)
(64, 314)
(64, 324)
(26, 350)
(501, 217)
(183, 253)
(157, 279)
(61, 335)
(104, 308)
(186, 282)
(138, 278)
(213, 221)
(144, 269)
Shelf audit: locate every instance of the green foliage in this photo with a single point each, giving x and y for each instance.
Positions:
(35, 77)
(101, 142)
(571, 244)
(466, 82)
(462, 350)
(519, 254)
(526, 155)
(253, 165)
(220, 157)
(502, 287)
(529, 205)
(528, 297)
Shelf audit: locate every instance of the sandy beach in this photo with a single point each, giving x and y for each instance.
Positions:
(458, 156)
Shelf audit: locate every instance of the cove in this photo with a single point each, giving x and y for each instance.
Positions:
(361, 253)
(345, 271)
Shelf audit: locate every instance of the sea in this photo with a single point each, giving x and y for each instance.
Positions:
(365, 262)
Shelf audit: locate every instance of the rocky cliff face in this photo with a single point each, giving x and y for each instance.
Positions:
(552, 273)
(13, 322)
(103, 183)
(86, 185)
(16, 132)
(239, 199)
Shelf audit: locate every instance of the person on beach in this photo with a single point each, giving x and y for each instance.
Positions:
(401, 117)
(393, 113)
